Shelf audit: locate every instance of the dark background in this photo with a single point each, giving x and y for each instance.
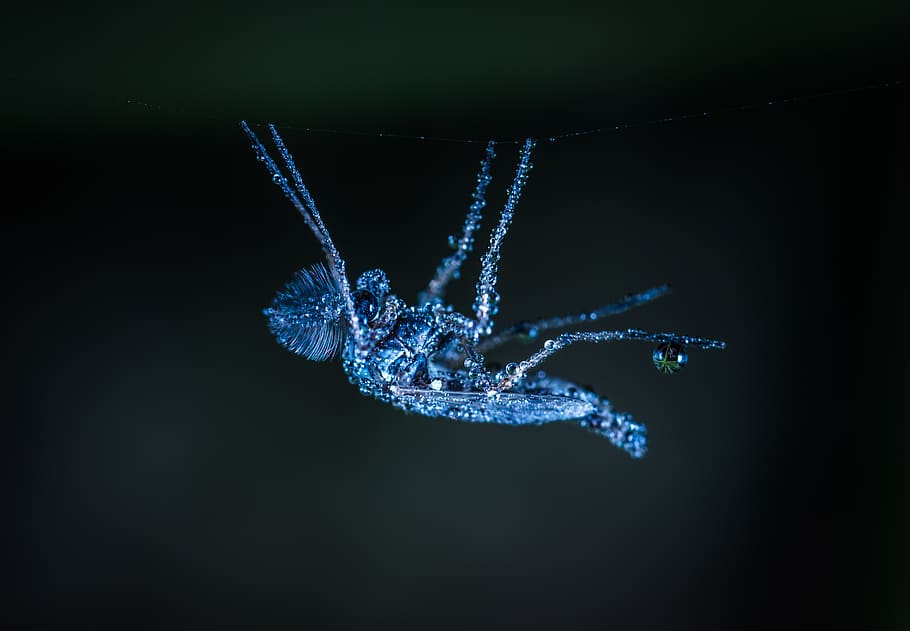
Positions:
(170, 464)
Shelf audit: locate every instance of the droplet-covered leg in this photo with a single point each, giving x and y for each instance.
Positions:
(529, 331)
(464, 243)
(486, 303)
(516, 372)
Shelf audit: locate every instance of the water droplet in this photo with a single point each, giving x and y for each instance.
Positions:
(512, 368)
(549, 345)
(669, 357)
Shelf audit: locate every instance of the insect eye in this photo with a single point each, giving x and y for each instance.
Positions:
(366, 305)
(375, 282)
(670, 357)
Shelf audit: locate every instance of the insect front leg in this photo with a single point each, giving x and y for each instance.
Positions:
(516, 372)
(486, 303)
(307, 208)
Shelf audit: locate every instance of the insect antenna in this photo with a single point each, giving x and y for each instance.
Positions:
(305, 315)
(307, 209)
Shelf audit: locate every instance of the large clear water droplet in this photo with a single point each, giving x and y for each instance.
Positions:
(669, 357)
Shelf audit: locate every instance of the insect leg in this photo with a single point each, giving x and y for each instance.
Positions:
(550, 347)
(464, 243)
(530, 330)
(487, 300)
(307, 209)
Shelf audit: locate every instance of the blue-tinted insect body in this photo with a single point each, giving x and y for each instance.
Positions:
(428, 358)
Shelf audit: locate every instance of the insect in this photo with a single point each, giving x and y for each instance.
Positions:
(429, 358)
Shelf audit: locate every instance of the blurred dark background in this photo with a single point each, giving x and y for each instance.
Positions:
(169, 464)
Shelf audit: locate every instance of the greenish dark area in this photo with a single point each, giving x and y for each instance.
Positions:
(170, 465)
(376, 64)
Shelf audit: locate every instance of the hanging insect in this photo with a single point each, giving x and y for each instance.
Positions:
(428, 358)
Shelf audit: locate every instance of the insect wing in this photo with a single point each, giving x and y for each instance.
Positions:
(505, 408)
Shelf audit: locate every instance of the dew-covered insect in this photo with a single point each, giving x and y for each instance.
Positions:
(428, 358)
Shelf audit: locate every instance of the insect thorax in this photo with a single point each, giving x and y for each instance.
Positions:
(402, 343)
